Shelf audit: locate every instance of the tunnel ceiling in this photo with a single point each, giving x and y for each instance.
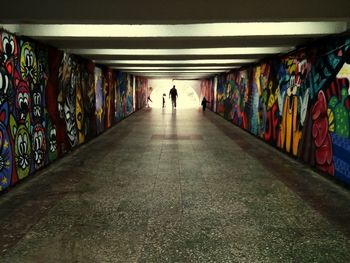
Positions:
(176, 39)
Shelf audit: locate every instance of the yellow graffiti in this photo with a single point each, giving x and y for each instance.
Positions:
(6, 144)
(272, 97)
(79, 113)
(290, 134)
(4, 180)
(257, 80)
(291, 65)
(331, 126)
(28, 64)
(108, 111)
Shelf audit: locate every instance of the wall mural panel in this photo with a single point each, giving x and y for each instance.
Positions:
(51, 102)
(141, 92)
(299, 103)
(129, 95)
(120, 96)
(88, 95)
(207, 91)
(100, 100)
(109, 87)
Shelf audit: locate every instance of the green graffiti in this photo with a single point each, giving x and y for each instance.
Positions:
(341, 115)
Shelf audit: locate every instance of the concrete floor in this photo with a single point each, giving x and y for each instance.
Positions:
(176, 187)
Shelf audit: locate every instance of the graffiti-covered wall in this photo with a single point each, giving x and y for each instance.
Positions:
(299, 103)
(141, 92)
(51, 102)
(207, 91)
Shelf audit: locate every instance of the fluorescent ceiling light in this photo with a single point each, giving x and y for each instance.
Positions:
(191, 61)
(176, 75)
(178, 68)
(179, 30)
(174, 71)
(187, 51)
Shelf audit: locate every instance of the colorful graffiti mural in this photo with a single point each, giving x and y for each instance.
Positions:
(120, 96)
(207, 91)
(299, 103)
(51, 102)
(141, 86)
(129, 95)
(100, 95)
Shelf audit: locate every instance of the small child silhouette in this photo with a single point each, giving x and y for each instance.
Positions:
(164, 99)
(204, 103)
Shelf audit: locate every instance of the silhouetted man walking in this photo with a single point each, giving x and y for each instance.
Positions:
(173, 95)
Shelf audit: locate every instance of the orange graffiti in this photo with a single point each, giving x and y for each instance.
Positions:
(290, 134)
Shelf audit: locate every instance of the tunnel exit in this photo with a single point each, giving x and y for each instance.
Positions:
(188, 93)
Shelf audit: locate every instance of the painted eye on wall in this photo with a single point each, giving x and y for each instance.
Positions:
(36, 141)
(11, 47)
(292, 81)
(1, 81)
(4, 83)
(25, 142)
(26, 52)
(21, 145)
(29, 58)
(40, 139)
(37, 99)
(53, 134)
(8, 46)
(80, 116)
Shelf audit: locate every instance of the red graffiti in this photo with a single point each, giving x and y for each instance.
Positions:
(320, 134)
(272, 121)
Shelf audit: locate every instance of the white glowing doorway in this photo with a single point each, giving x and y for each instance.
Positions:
(187, 93)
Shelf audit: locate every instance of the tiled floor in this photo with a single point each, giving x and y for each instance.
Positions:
(176, 187)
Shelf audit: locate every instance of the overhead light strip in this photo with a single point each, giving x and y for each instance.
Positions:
(177, 68)
(187, 51)
(191, 61)
(179, 30)
(174, 71)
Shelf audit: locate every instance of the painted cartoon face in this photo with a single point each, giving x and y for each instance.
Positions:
(20, 134)
(69, 118)
(64, 72)
(51, 139)
(9, 51)
(23, 99)
(28, 63)
(6, 86)
(88, 91)
(79, 112)
(8, 45)
(39, 145)
(22, 149)
(293, 86)
(5, 149)
(66, 97)
(37, 103)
